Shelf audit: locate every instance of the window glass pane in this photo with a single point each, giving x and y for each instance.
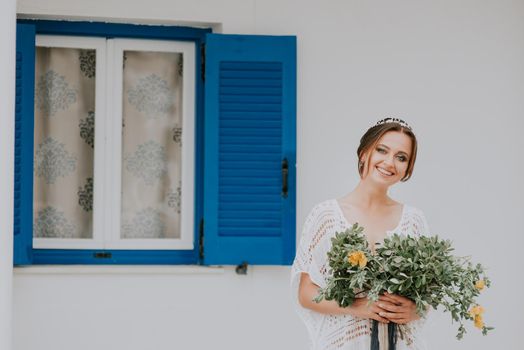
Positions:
(151, 145)
(64, 142)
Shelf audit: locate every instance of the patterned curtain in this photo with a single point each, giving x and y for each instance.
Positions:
(151, 145)
(64, 143)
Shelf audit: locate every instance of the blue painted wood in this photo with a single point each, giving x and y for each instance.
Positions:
(250, 128)
(250, 115)
(199, 156)
(108, 30)
(120, 257)
(24, 106)
(260, 83)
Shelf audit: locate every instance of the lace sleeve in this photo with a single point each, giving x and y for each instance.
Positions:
(311, 258)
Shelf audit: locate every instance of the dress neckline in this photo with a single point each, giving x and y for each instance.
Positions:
(388, 232)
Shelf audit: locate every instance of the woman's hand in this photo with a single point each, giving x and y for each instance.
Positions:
(397, 308)
(361, 309)
(308, 290)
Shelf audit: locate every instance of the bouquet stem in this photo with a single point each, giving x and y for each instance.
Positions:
(383, 337)
(392, 335)
(374, 336)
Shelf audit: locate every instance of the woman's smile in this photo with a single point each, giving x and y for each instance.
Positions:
(384, 171)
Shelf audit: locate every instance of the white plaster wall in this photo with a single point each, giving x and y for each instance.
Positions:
(7, 141)
(453, 69)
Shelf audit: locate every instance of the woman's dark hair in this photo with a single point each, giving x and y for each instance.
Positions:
(371, 137)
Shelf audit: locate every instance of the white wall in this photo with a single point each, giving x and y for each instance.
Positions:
(7, 133)
(453, 69)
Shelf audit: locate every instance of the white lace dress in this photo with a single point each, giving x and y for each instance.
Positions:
(343, 332)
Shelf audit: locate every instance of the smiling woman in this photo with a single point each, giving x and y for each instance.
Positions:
(387, 132)
(386, 154)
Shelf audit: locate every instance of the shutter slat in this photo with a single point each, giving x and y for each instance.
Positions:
(249, 165)
(246, 198)
(251, 74)
(240, 83)
(249, 223)
(251, 66)
(230, 149)
(249, 131)
(249, 189)
(253, 181)
(242, 123)
(250, 99)
(253, 115)
(249, 173)
(272, 157)
(239, 214)
(250, 107)
(248, 90)
(235, 207)
(250, 231)
(249, 140)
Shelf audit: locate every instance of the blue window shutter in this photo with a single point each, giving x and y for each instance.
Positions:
(250, 132)
(24, 124)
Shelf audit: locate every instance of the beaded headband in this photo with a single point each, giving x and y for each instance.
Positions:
(394, 120)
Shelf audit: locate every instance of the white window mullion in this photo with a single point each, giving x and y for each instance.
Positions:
(114, 141)
(188, 140)
(100, 184)
(117, 47)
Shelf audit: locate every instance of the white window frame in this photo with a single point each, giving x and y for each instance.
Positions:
(108, 144)
(114, 165)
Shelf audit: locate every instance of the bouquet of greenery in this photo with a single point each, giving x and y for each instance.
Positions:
(420, 268)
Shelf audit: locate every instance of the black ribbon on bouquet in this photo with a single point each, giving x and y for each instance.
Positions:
(392, 336)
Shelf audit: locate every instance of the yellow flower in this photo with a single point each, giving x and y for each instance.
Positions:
(480, 285)
(358, 258)
(476, 311)
(479, 323)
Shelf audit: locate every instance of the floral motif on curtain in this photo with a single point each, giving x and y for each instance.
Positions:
(152, 96)
(148, 162)
(146, 223)
(87, 60)
(52, 160)
(52, 223)
(53, 93)
(85, 195)
(87, 129)
(174, 197)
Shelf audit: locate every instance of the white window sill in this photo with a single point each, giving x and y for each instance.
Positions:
(117, 270)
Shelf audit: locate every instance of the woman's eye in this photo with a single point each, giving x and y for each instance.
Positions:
(381, 150)
(402, 158)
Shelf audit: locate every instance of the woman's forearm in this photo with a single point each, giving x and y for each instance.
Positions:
(308, 290)
(360, 308)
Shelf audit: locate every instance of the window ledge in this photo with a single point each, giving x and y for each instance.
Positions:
(117, 270)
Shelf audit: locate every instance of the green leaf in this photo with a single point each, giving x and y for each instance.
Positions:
(398, 259)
